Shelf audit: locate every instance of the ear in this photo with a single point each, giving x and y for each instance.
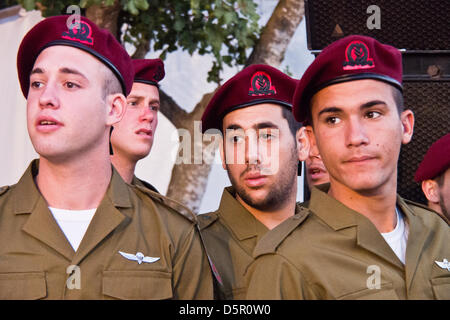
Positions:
(407, 119)
(312, 140)
(116, 108)
(431, 190)
(303, 144)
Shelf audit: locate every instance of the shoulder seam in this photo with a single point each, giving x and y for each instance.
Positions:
(170, 203)
(3, 189)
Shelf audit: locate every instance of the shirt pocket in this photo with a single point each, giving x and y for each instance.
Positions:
(137, 285)
(23, 286)
(386, 292)
(441, 288)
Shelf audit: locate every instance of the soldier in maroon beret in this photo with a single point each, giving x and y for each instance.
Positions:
(433, 174)
(361, 240)
(71, 228)
(253, 111)
(132, 138)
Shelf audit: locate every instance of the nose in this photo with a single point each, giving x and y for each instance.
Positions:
(356, 134)
(252, 155)
(49, 97)
(147, 115)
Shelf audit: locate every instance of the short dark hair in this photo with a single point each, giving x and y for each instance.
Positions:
(294, 126)
(440, 179)
(396, 94)
(111, 84)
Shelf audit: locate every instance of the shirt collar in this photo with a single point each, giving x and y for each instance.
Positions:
(331, 211)
(241, 222)
(26, 193)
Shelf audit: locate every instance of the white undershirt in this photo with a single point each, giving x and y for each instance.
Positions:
(398, 237)
(73, 223)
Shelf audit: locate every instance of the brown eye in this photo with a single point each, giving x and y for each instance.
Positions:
(36, 84)
(71, 85)
(333, 120)
(373, 114)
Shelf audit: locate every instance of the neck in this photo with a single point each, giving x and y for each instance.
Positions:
(273, 218)
(378, 206)
(124, 167)
(75, 185)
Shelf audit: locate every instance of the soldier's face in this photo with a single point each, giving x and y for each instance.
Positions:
(359, 132)
(66, 113)
(132, 137)
(260, 155)
(315, 170)
(316, 173)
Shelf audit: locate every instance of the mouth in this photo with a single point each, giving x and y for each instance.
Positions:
(316, 172)
(144, 132)
(360, 159)
(47, 124)
(255, 179)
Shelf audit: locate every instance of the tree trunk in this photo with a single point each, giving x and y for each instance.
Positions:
(105, 16)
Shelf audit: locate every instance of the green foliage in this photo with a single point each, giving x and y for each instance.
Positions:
(224, 29)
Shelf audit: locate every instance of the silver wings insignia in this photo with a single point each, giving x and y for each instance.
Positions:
(139, 257)
(443, 264)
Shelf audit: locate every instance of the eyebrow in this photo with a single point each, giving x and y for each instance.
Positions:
(139, 98)
(62, 70)
(37, 70)
(258, 126)
(72, 71)
(366, 105)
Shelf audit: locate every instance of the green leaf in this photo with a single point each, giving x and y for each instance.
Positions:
(179, 25)
(141, 4)
(84, 3)
(28, 4)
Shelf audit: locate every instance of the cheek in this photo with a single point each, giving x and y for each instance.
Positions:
(155, 121)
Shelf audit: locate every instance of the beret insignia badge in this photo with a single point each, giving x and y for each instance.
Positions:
(357, 57)
(81, 34)
(261, 85)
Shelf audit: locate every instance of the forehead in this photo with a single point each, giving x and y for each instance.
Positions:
(143, 90)
(352, 94)
(56, 57)
(251, 116)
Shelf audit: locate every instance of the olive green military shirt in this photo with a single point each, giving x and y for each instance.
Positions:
(230, 234)
(38, 262)
(333, 252)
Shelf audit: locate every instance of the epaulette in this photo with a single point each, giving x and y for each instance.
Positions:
(3, 189)
(173, 204)
(420, 205)
(272, 239)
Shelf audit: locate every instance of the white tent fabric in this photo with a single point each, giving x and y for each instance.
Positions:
(16, 150)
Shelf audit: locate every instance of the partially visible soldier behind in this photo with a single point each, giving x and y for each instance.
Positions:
(71, 228)
(434, 175)
(315, 171)
(360, 240)
(132, 137)
(261, 148)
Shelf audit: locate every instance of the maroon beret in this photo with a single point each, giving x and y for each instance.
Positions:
(436, 160)
(88, 37)
(351, 58)
(149, 71)
(256, 84)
